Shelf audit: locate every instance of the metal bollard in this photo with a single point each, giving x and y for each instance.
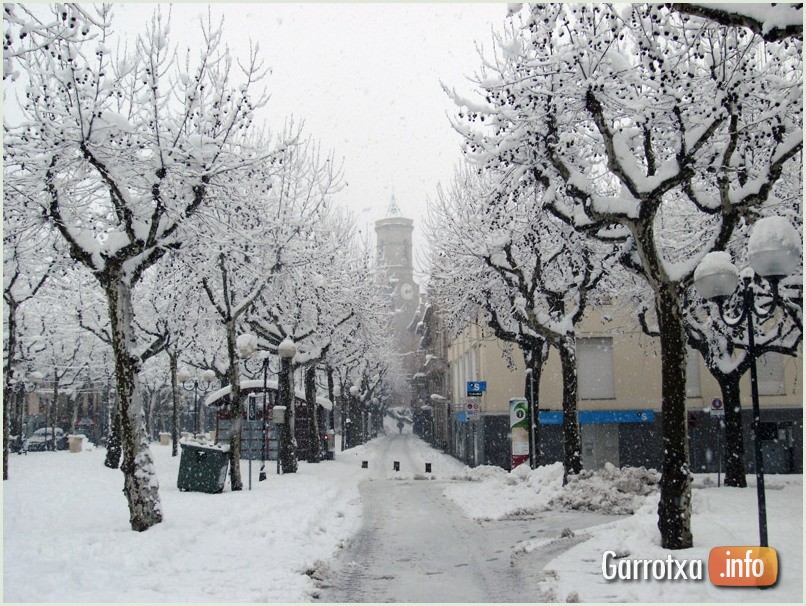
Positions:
(397, 466)
(428, 468)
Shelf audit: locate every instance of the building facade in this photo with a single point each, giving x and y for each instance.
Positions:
(619, 411)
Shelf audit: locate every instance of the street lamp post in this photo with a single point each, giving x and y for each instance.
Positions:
(353, 408)
(263, 356)
(287, 451)
(193, 384)
(20, 387)
(774, 253)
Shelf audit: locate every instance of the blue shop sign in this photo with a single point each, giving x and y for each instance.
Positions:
(590, 417)
(551, 418)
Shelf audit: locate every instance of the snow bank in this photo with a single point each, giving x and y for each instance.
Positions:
(609, 490)
(524, 491)
(721, 516)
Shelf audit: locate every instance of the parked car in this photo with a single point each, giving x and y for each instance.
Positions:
(20, 446)
(42, 439)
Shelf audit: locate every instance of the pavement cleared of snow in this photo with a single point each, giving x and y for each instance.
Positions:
(416, 545)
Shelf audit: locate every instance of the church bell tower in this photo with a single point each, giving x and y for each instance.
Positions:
(393, 236)
(393, 240)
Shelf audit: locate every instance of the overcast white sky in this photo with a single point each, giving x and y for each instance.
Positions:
(366, 80)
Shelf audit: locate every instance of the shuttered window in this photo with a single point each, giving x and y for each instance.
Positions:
(693, 374)
(595, 368)
(770, 368)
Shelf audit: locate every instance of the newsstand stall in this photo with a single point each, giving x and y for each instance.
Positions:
(259, 436)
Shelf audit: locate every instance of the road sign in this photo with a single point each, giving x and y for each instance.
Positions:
(473, 407)
(475, 388)
(717, 408)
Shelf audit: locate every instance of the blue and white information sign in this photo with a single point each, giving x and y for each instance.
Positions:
(476, 388)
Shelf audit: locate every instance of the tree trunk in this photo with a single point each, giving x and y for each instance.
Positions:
(331, 414)
(147, 396)
(533, 360)
(11, 350)
(173, 362)
(572, 459)
(314, 441)
(113, 440)
(201, 420)
(236, 482)
(6, 425)
(354, 427)
(674, 508)
(734, 434)
(54, 419)
(112, 459)
(140, 483)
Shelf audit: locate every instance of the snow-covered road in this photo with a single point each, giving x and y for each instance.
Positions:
(416, 545)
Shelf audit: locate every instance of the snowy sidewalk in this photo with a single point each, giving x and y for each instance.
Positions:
(66, 535)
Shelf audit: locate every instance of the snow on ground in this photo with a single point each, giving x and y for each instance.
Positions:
(66, 536)
(721, 517)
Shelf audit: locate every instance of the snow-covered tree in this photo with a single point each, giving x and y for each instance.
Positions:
(531, 274)
(266, 243)
(26, 265)
(629, 115)
(773, 22)
(28, 30)
(115, 150)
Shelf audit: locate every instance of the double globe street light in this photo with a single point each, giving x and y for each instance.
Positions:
(262, 357)
(773, 251)
(195, 385)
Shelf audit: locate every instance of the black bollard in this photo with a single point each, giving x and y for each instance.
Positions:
(397, 466)
(364, 464)
(428, 468)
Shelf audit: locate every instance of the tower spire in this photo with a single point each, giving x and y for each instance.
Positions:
(393, 210)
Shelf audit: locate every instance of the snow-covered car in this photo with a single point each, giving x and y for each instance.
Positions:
(42, 439)
(15, 444)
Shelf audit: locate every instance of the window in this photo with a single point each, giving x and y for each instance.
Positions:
(595, 368)
(693, 374)
(770, 368)
(455, 373)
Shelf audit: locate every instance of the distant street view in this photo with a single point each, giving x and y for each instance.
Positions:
(445, 303)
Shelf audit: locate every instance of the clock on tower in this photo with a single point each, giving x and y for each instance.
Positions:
(407, 291)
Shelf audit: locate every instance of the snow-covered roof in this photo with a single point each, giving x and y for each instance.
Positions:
(257, 385)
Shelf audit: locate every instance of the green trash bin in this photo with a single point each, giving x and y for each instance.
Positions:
(202, 468)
